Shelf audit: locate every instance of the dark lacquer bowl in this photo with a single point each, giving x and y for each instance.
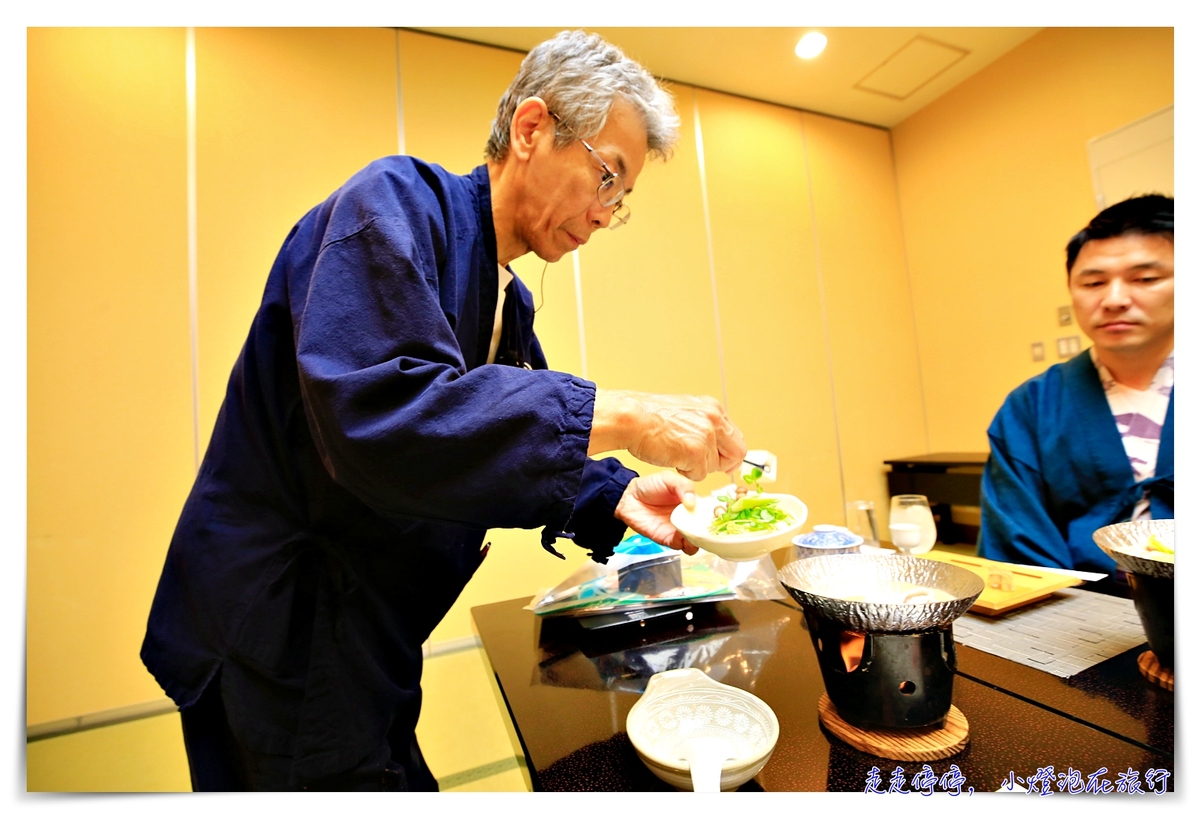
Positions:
(1151, 577)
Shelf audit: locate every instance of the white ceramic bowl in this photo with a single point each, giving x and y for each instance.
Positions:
(694, 525)
(682, 707)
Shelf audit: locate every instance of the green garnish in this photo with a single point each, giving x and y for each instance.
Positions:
(753, 477)
(749, 514)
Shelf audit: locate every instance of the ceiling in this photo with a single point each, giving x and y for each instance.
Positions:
(877, 76)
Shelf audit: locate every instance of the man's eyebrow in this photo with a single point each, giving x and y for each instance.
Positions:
(1144, 265)
(619, 160)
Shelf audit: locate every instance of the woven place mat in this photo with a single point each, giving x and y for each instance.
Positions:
(1064, 634)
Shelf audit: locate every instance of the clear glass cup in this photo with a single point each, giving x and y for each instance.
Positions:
(906, 537)
(914, 508)
(860, 519)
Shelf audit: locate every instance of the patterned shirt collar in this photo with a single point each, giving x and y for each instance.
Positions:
(1163, 381)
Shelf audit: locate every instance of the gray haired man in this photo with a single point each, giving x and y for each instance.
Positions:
(390, 405)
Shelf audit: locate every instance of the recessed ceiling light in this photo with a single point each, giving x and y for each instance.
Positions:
(811, 44)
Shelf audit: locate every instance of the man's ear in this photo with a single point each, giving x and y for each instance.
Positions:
(531, 125)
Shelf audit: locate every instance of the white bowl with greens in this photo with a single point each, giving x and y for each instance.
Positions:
(741, 528)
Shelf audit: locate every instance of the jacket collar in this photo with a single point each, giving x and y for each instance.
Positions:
(489, 293)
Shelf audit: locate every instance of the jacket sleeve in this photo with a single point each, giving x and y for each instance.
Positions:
(593, 524)
(1016, 525)
(397, 418)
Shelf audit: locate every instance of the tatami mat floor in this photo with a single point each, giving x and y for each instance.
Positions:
(137, 756)
(464, 733)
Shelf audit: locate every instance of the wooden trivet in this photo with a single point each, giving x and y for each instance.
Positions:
(1162, 676)
(913, 744)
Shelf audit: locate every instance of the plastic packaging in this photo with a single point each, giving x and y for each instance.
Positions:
(643, 574)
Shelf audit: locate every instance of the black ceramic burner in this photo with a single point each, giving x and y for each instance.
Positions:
(903, 680)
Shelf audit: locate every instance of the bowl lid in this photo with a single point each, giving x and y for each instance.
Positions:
(828, 536)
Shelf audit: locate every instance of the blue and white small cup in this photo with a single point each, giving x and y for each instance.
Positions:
(824, 540)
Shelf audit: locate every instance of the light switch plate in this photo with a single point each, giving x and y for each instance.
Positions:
(1064, 316)
(1068, 346)
(1037, 351)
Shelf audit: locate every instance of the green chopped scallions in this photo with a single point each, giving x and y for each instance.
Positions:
(749, 515)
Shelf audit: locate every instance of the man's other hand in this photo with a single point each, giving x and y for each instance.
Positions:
(689, 433)
(647, 504)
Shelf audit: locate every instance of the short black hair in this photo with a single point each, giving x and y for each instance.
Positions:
(1152, 215)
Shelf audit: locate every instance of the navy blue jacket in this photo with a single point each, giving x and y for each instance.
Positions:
(362, 451)
(1058, 471)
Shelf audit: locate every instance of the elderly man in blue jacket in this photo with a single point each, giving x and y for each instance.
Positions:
(1090, 442)
(390, 405)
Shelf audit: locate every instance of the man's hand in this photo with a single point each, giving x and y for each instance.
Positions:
(647, 504)
(691, 434)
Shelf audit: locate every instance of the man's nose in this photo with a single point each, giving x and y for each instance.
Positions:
(1116, 295)
(601, 216)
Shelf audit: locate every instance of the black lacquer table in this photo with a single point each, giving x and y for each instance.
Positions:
(568, 691)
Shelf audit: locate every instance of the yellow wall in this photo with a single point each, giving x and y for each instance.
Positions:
(994, 180)
(876, 378)
(283, 117)
(772, 333)
(450, 91)
(109, 382)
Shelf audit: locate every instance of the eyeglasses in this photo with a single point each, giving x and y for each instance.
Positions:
(611, 190)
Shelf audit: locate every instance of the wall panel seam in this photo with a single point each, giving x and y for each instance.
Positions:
(912, 299)
(812, 215)
(579, 313)
(399, 100)
(192, 228)
(708, 237)
(161, 706)
(100, 718)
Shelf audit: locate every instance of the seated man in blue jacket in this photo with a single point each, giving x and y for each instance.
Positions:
(390, 405)
(1090, 442)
